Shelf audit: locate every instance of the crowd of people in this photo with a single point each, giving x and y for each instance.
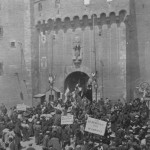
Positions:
(127, 125)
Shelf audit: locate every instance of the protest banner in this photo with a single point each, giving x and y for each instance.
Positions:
(95, 126)
(21, 107)
(67, 119)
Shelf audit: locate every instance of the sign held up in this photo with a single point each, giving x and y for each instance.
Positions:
(21, 107)
(95, 126)
(67, 119)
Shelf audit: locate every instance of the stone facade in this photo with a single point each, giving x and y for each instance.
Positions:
(15, 42)
(110, 38)
(28, 28)
(121, 43)
(143, 36)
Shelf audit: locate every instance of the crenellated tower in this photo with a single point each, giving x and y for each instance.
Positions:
(70, 33)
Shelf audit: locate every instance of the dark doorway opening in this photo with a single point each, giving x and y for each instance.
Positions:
(75, 78)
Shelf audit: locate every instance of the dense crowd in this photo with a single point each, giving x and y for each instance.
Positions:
(127, 125)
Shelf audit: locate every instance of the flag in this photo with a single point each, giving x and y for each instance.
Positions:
(80, 89)
(77, 88)
(67, 91)
(73, 94)
(66, 94)
(77, 85)
(87, 2)
(93, 74)
(82, 94)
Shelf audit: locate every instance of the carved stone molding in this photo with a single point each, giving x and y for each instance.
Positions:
(82, 22)
(71, 69)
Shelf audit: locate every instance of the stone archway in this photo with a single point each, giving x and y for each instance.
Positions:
(75, 78)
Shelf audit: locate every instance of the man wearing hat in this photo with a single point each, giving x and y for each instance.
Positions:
(65, 136)
(54, 141)
(25, 133)
(123, 145)
(142, 133)
(148, 139)
(37, 130)
(57, 118)
(2, 127)
(31, 130)
(137, 120)
(113, 121)
(44, 124)
(79, 137)
(112, 145)
(119, 135)
(18, 135)
(1, 143)
(46, 139)
(11, 143)
(41, 136)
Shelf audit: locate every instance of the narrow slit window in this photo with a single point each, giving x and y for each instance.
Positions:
(1, 69)
(13, 44)
(1, 31)
(39, 6)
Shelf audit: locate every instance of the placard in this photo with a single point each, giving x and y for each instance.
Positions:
(21, 107)
(95, 126)
(67, 119)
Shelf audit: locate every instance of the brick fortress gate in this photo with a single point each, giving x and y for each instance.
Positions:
(65, 45)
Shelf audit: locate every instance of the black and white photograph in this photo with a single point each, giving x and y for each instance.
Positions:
(74, 74)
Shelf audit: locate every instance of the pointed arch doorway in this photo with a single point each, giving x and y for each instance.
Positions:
(75, 78)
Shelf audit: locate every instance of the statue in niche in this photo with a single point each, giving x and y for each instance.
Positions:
(77, 53)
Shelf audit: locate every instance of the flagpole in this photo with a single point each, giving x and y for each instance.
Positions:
(102, 80)
(52, 77)
(94, 40)
(52, 65)
(95, 58)
(102, 84)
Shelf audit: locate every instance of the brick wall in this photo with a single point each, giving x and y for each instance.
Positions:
(110, 46)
